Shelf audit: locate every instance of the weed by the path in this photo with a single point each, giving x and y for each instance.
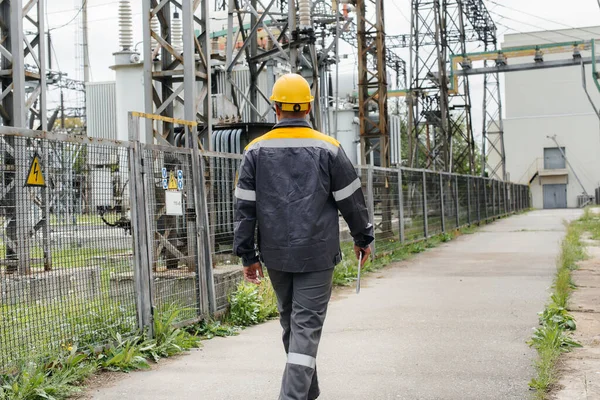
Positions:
(553, 338)
(590, 222)
(208, 329)
(251, 304)
(558, 314)
(58, 376)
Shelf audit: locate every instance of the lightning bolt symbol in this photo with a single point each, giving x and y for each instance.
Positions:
(35, 170)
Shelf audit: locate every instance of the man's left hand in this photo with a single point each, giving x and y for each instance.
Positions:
(366, 252)
(253, 272)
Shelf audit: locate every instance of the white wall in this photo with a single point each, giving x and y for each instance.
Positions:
(551, 102)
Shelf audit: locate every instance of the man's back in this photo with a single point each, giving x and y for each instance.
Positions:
(295, 210)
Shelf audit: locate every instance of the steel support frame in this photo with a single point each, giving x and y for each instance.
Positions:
(459, 101)
(493, 124)
(169, 72)
(23, 103)
(427, 98)
(295, 49)
(439, 108)
(372, 82)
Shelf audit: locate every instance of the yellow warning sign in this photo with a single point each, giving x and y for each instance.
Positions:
(35, 176)
(172, 181)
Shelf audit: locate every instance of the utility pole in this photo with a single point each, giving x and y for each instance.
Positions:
(86, 54)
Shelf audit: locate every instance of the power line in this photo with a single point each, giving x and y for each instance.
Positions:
(524, 33)
(89, 6)
(402, 13)
(537, 27)
(541, 18)
(72, 19)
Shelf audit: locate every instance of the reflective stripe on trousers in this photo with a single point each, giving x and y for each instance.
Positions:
(302, 300)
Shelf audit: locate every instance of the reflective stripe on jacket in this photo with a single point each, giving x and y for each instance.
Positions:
(292, 182)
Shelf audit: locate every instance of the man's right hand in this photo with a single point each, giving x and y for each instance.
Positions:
(366, 252)
(253, 272)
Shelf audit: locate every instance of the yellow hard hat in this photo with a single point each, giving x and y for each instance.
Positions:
(293, 92)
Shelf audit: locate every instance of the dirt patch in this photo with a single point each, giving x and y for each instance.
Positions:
(580, 369)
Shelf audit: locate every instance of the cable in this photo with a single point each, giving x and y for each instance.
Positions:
(72, 19)
(402, 13)
(523, 33)
(536, 26)
(89, 6)
(542, 18)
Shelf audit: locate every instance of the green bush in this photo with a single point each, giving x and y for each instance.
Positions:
(252, 304)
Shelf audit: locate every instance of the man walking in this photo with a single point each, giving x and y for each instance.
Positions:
(292, 182)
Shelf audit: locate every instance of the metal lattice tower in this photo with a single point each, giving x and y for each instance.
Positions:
(309, 49)
(176, 78)
(493, 126)
(292, 42)
(22, 105)
(441, 134)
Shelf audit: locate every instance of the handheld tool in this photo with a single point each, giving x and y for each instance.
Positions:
(359, 265)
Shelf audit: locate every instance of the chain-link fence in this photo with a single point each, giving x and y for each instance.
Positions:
(66, 244)
(99, 237)
(407, 204)
(220, 180)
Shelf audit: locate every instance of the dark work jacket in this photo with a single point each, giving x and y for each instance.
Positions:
(292, 182)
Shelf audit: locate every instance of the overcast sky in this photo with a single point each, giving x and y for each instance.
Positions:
(511, 16)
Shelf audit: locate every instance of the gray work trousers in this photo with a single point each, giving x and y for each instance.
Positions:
(302, 300)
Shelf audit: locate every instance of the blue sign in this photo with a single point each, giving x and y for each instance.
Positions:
(180, 184)
(179, 174)
(165, 184)
(164, 173)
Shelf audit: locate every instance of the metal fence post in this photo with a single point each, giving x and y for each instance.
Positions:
(371, 205)
(425, 222)
(206, 290)
(505, 192)
(206, 237)
(46, 200)
(457, 205)
(468, 200)
(141, 259)
(478, 189)
(442, 208)
(485, 197)
(401, 206)
(493, 184)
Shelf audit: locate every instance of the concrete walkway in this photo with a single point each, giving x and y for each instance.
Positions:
(449, 324)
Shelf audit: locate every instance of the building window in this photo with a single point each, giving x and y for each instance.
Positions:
(553, 158)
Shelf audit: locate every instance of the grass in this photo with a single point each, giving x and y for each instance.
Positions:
(61, 374)
(552, 338)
